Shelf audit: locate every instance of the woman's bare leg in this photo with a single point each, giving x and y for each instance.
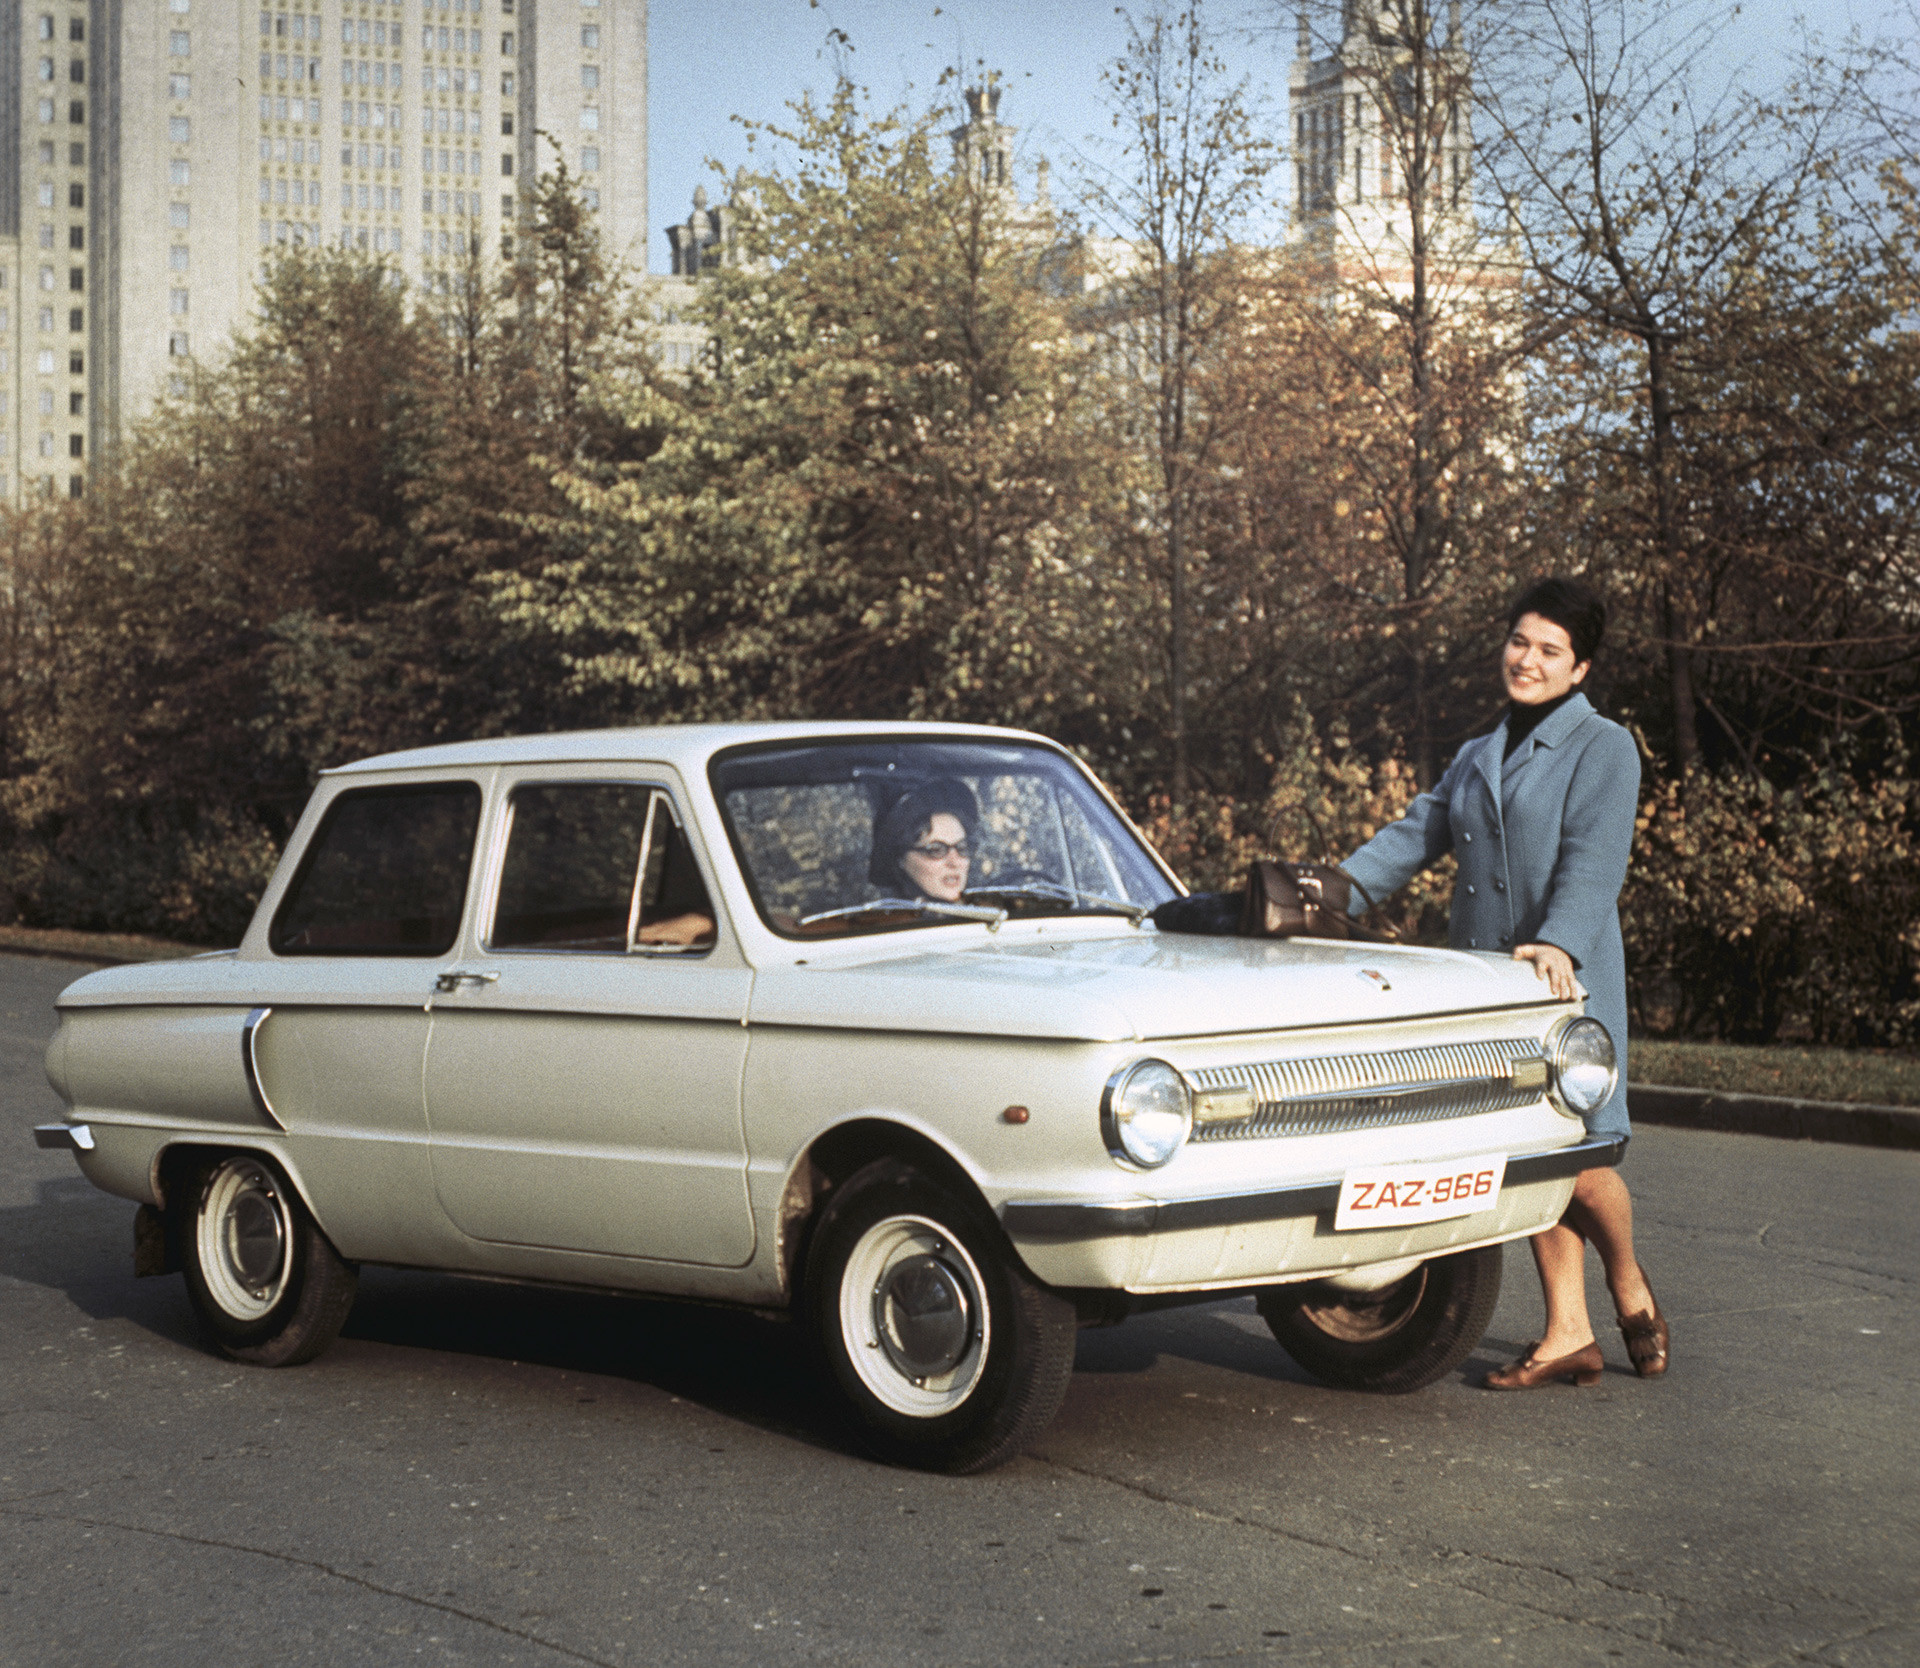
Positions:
(1601, 1210)
(1560, 1254)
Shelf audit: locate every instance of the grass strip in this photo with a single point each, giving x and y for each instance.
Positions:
(1869, 1076)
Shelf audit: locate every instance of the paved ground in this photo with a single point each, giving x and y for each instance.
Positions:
(481, 1474)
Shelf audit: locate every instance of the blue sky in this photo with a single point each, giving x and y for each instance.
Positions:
(711, 59)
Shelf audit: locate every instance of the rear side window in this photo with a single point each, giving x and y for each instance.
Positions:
(599, 866)
(385, 874)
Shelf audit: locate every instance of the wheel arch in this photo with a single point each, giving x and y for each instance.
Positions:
(175, 1162)
(838, 1153)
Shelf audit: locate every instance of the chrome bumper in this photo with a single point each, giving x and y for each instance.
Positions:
(73, 1138)
(1041, 1220)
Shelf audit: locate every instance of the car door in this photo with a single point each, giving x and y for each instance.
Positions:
(583, 1073)
(335, 1046)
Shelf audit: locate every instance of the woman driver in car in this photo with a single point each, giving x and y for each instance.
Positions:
(923, 843)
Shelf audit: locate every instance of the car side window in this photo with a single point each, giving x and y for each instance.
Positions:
(384, 875)
(601, 866)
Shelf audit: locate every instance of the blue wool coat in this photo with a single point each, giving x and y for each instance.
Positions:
(1542, 843)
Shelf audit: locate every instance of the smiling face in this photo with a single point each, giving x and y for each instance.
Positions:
(1538, 663)
(937, 861)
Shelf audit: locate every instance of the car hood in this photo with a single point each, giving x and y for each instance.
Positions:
(1134, 985)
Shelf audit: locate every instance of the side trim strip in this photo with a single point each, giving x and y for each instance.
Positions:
(1042, 1219)
(75, 1138)
(250, 1061)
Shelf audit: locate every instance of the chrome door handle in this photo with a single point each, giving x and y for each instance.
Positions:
(448, 982)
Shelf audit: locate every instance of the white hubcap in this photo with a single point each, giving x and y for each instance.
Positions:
(244, 1239)
(913, 1316)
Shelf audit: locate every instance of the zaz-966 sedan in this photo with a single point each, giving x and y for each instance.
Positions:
(862, 1023)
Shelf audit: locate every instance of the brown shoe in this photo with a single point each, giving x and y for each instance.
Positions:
(1647, 1337)
(1583, 1366)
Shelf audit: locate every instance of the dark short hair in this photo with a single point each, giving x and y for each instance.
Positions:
(1574, 606)
(897, 829)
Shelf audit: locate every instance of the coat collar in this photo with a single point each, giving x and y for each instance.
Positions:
(1551, 731)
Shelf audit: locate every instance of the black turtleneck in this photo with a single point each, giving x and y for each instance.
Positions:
(1522, 721)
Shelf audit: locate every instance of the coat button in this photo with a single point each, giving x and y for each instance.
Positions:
(1468, 838)
(1473, 943)
(1470, 891)
(1499, 886)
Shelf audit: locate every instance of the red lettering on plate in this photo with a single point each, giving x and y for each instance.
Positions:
(1411, 1191)
(1483, 1183)
(1443, 1190)
(1387, 1197)
(1360, 1192)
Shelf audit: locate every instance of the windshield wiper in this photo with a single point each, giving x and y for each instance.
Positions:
(1055, 891)
(909, 906)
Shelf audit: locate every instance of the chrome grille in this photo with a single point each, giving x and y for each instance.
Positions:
(1334, 1092)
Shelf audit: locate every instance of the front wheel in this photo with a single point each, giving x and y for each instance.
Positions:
(940, 1350)
(1401, 1338)
(266, 1284)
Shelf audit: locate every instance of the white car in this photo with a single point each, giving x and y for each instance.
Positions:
(650, 1010)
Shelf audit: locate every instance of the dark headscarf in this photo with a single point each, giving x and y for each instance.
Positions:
(900, 826)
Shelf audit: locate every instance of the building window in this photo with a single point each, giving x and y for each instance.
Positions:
(76, 448)
(77, 320)
(590, 118)
(179, 44)
(506, 123)
(506, 163)
(180, 6)
(179, 216)
(76, 403)
(46, 321)
(46, 402)
(506, 45)
(590, 160)
(590, 37)
(45, 362)
(591, 198)
(46, 277)
(179, 129)
(176, 301)
(177, 345)
(590, 76)
(76, 277)
(46, 236)
(179, 172)
(76, 29)
(77, 113)
(76, 197)
(506, 86)
(177, 258)
(76, 237)
(46, 110)
(46, 67)
(46, 30)
(506, 205)
(77, 154)
(76, 364)
(76, 484)
(46, 445)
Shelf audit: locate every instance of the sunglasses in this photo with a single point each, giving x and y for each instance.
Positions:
(936, 850)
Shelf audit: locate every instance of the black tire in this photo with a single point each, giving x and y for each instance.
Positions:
(267, 1286)
(1393, 1341)
(901, 1274)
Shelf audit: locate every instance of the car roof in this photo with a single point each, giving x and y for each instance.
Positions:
(687, 746)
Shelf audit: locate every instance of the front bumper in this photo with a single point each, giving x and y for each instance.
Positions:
(1146, 1245)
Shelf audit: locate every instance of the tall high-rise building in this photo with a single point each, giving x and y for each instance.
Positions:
(154, 153)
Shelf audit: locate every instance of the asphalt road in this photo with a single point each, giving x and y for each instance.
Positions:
(479, 1473)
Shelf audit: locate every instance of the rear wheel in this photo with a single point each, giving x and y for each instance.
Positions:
(939, 1349)
(1401, 1338)
(266, 1284)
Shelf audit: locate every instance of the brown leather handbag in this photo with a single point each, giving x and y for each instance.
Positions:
(1304, 900)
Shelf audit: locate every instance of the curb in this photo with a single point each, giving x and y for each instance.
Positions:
(1775, 1115)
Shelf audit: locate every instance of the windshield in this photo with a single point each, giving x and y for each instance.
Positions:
(877, 835)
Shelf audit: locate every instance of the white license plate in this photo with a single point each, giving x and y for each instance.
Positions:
(1395, 1195)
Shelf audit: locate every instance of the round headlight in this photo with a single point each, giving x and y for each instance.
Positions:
(1146, 1113)
(1585, 1068)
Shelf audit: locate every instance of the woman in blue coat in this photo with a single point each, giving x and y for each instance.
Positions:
(1539, 815)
